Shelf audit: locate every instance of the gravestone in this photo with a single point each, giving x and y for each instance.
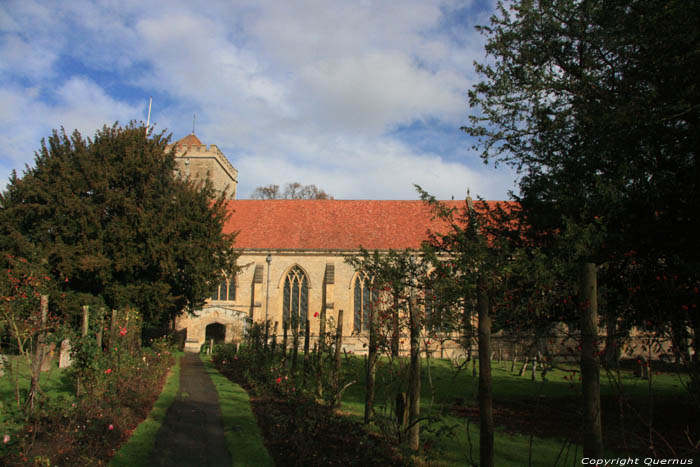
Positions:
(64, 359)
(48, 357)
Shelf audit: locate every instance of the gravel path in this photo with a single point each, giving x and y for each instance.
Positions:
(192, 433)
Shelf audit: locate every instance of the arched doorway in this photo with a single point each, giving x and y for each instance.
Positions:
(216, 331)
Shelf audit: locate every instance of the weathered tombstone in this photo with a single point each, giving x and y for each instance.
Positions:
(64, 360)
(47, 359)
(642, 368)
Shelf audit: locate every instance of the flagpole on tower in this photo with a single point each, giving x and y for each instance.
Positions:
(194, 119)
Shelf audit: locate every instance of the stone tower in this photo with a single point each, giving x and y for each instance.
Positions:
(197, 161)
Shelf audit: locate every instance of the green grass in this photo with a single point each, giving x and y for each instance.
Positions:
(241, 430)
(451, 388)
(55, 385)
(138, 448)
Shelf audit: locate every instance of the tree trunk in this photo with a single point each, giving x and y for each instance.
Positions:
(545, 364)
(371, 366)
(590, 365)
(395, 327)
(414, 376)
(485, 385)
(523, 368)
(39, 354)
(84, 333)
(86, 321)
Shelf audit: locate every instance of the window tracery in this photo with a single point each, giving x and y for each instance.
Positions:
(295, 300)
(364, 298)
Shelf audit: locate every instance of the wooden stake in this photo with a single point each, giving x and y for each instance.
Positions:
(590, 366)
(338, 349)
(414, 375)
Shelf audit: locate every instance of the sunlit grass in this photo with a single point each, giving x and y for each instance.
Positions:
(56, 387)
(241, 430)
(451, 388)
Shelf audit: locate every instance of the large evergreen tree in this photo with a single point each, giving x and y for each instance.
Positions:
(596, 103)
(115, 225)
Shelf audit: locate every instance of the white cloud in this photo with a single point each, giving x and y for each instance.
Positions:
(25, 119)
(379, 169)
(378, 91)
(308, 91)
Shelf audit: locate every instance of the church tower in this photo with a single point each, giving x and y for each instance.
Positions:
(197, 161)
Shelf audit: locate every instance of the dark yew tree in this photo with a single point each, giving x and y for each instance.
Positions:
(114, 225)
(596, 103)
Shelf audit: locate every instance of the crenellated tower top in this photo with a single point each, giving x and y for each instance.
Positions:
(196, 160)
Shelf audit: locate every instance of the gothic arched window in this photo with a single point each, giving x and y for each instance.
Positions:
(364, 297)
(226, 291)
(295, 305)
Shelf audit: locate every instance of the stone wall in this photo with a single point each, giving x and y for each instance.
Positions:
(208, 162)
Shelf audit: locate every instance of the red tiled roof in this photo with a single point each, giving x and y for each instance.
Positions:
(189, 140)
(331, 224)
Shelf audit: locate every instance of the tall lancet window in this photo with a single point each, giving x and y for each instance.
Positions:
(295, 304)
(364, 297)
(226, 291)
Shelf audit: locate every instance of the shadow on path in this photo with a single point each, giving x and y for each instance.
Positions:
(192, 433)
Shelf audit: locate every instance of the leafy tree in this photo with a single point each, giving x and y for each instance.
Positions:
(601, 117)
(114, 225)
(596, 104)
(472, 260)
(267, 192)
(398, 279)
(293, 190)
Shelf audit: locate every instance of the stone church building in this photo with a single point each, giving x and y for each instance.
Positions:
(292, 254)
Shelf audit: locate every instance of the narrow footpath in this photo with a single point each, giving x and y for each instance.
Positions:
(192, 433)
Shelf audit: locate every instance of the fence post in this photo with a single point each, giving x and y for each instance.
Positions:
(321, 350)
(295, 342)
(338, 348)
(100, 320)
(371, 369)
(285, 329)
(306, 351)
(267, 335)
(590, 369)
(113, 329)
(414, 375)
(273, 344)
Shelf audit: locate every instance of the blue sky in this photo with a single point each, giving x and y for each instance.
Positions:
(361, 98)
